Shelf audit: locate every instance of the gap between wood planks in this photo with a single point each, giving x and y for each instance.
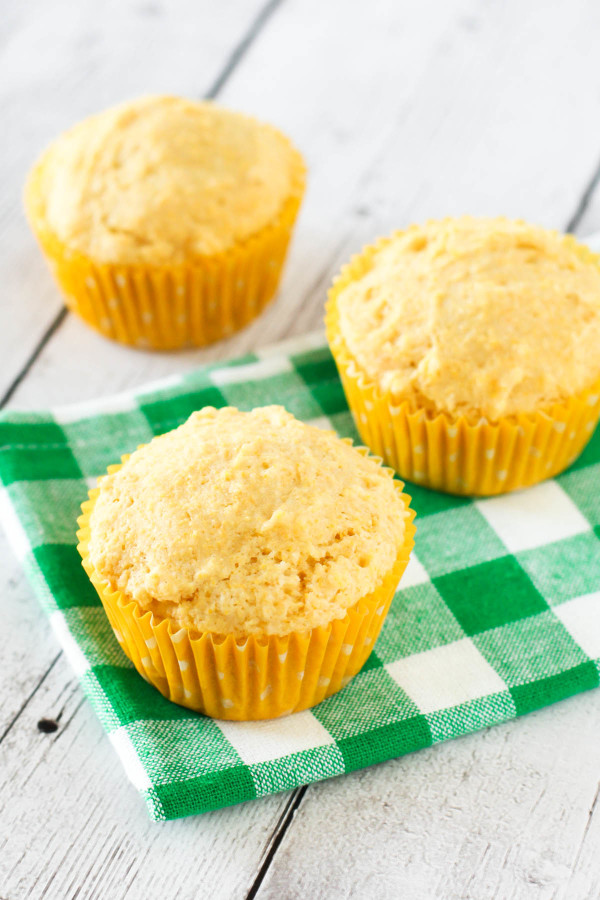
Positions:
(233, 61)
(28, 699)
(285, 820)
(587, 827)
(584, 200)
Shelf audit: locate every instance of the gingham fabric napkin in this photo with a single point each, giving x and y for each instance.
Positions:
(499, 611)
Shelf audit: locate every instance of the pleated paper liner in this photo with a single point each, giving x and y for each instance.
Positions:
(454, 454)
(167, 307)
(254, 677)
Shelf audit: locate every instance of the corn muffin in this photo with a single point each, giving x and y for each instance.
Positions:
(469, 351)
(166, 221)
(258, 552)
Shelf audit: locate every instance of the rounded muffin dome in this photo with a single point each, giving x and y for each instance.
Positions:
(162, 179)
(481, 317)
(238, 523)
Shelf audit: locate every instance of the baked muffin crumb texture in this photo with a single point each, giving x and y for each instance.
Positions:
(162, 180)
(247, 522)
(475, 316)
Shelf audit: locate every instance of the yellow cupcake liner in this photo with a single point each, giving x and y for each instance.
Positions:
(455, 454)
(167, 307)
(251, 677)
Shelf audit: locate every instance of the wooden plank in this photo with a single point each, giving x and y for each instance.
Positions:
(510, 813)
(72, 826)
(61, 62)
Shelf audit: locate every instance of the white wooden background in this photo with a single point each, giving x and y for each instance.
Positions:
(404, 110)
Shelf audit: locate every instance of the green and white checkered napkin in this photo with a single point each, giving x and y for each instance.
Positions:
(499, 611)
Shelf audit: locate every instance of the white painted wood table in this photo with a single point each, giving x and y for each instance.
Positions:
(404, 111)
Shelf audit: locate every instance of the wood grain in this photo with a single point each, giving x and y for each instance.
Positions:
(404, 111)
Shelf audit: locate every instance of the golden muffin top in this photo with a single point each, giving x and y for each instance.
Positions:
(475, 316)
(162, 179)
(240, 523)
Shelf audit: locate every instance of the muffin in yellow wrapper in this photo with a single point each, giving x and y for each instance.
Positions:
(166, 223)
(471, 452)
(256, 675)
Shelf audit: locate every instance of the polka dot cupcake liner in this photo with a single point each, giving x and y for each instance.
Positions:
(167, 307)
(454, 454)
(254, 677)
